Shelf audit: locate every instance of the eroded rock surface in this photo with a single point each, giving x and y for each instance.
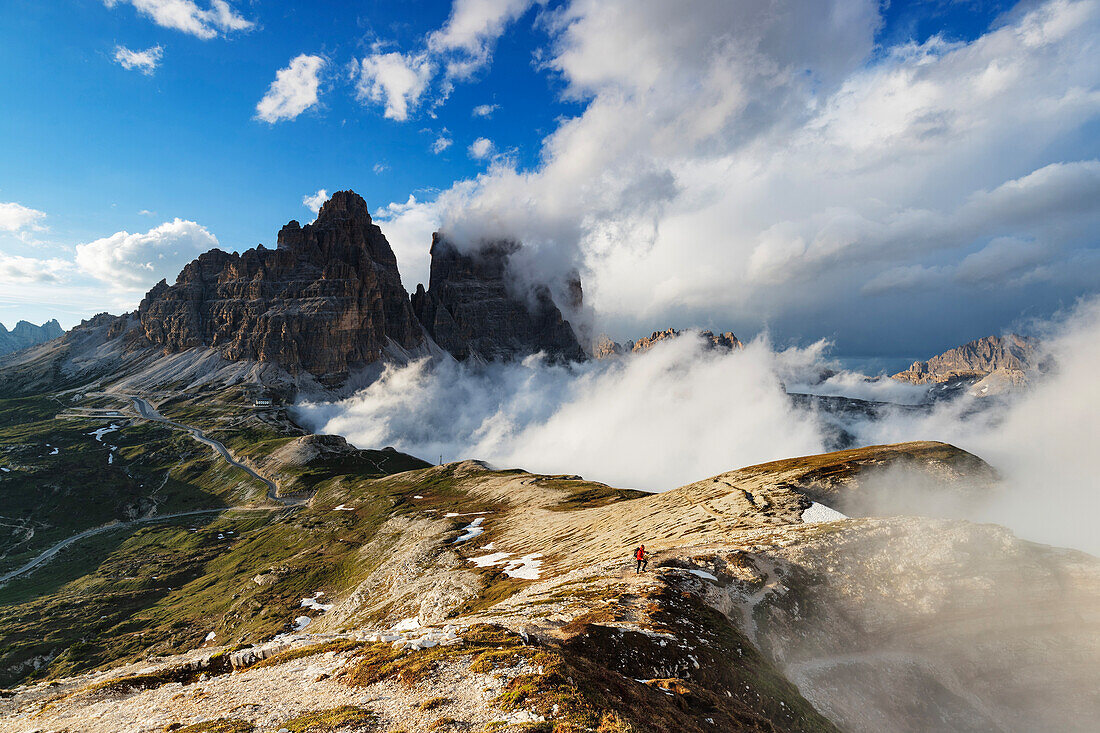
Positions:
(1012, 354)
(327, 299)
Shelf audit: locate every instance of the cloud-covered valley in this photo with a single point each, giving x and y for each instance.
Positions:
(681, 412)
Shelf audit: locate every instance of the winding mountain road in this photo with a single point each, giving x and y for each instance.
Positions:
(149, 412)
(50, 553)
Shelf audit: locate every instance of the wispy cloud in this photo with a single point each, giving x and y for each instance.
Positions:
(441, 143)
(144, 61)
(187, 16)
(485, 110)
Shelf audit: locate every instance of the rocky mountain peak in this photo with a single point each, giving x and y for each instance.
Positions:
(26, 334)
(604, 347)
(1012, 354)
(328, 298)
(471, 308)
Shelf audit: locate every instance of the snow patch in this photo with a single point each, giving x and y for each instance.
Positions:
(301, 622)
(471, 530)
(703, 574)
(316, 605)
(55, 451)
(343, 508)
(818, 513)
(100, 432)
(524, 568)
(211, 636)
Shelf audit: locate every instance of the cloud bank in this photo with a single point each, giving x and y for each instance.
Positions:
(680, 412)
(765, 162)
(134, 262)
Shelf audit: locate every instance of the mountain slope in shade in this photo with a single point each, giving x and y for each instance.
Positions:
(470, 309)
(26, 334)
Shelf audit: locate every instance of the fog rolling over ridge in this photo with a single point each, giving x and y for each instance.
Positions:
(680, 412)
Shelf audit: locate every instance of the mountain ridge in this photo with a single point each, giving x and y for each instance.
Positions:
(26, 334)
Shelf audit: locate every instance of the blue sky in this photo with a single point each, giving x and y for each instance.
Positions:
(842, 169)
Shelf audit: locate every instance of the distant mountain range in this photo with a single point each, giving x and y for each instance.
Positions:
(27, 334)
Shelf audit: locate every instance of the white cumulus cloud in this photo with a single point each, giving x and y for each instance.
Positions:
(14, 217)
(315, 201)
(144, 61)
(294, 90)
(765, 162)
(485, 110)
(395, 80)
(481, 148)
(218, 16)
(134, 262)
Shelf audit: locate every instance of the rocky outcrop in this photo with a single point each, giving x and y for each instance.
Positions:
(720, 341)
(327, 299)
(1012, 354)
(605, 347)
(472, 309)
(26, 334)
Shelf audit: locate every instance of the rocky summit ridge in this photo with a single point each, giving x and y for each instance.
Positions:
(327, 298)
(471, 310)
(1012, 355)
(26, 334)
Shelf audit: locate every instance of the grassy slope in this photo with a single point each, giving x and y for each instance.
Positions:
(47, 497)
(159, 587)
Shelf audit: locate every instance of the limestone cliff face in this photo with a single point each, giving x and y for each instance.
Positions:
(327, 299)
(26, 334)
(470, 310)
(1012, 355)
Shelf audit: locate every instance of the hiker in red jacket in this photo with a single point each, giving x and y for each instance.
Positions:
(642, 559)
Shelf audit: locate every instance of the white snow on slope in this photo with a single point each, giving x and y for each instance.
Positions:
(705, 574)
(818, 513)
(316, 605)
(471, 530)
(100, 432)
(524, 568)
